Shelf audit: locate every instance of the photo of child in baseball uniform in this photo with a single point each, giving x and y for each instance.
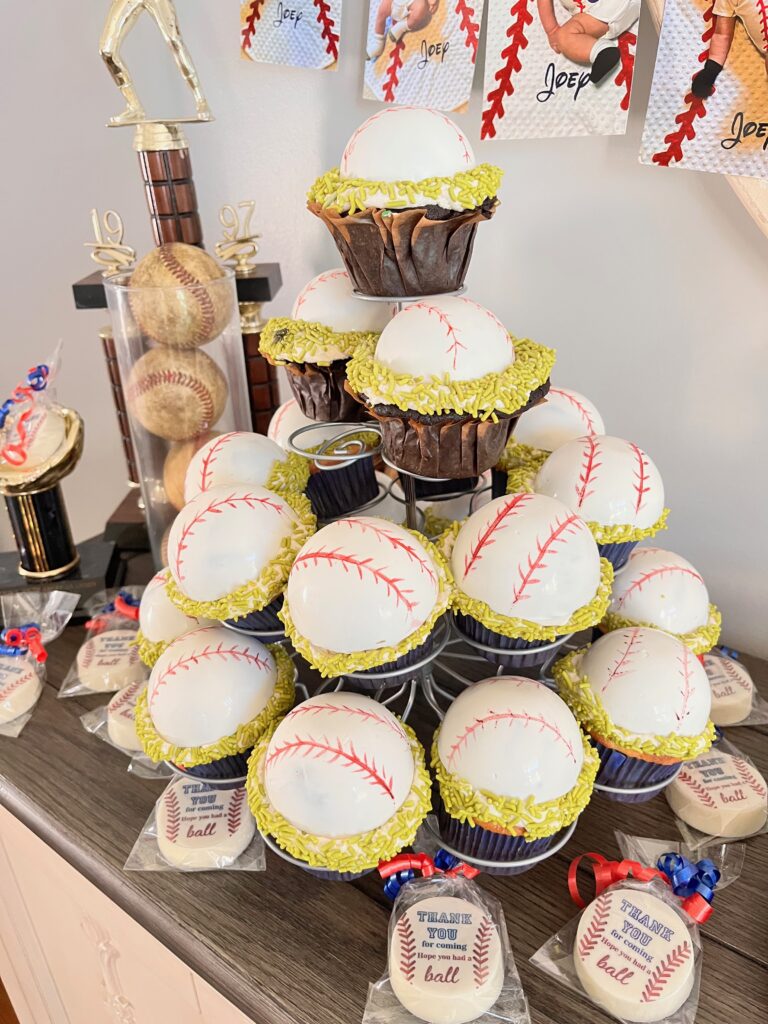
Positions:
(590, 35)
(422, 52)
(300, 33)
(708, 108)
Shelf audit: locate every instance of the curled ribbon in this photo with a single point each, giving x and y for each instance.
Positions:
(403, 868)
(37, 380)
(124, 604)
(19, 640)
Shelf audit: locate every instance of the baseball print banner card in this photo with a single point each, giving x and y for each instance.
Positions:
(558, 67)
(301, 33)
(422, 52)
(708, 109)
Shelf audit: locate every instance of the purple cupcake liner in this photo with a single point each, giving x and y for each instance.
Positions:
(539, 651)
(263, 621)
(335, 492)
(482, 844)
(617, 554)
(436, 488)
(498, 482)
(226, 769)
(620, 771)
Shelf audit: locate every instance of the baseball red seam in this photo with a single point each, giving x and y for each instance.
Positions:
(480, 952)
(254, 15)
(596, 927)
(274, 427)
(235, 813)
(641, 486)
(589, 467)
(747, 777)
(396, 542)
(350, 147)
(25, 677)
(317, 749)
(195, 286)
(459, 134)
(470, 28)
(620, 668)
(391, 79)
(177, 378)
(128, 697)
(730, 670)
(664, 971)
(485, 312)
(407, 948)
(187, 660)
(330, 275)
(762, 10)
(626, 66)
(684, 661)
(697, 788)
(333, 709)
(450, 330)
(579, 406)
(361, 566)
(210, 457)
(514, 505)
(494, 717)
(173, 814)
(662, 570)
(521, 17)
(328, 25)
(558, 532)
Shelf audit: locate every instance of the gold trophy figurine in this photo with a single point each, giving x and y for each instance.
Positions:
(123, 15)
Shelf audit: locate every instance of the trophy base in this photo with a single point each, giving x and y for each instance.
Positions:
(98, 566)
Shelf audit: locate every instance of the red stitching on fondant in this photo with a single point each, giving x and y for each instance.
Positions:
(391, 79)
(626, 66)
(329, 275)
(641, 476)
(662, 570)
(235, 813)
(128, 697)
(731, 671)
(328, 25)
(185, 661)
(583, 411)
(317, 749)
(274, 427)
(25, 677)
(697, 788)
(470, 28)
(745, 773)
(467, 156)
(396, 542)
(685, 663)
(173, 815)
(254, 15)
(177, 378)
(450, 329)
(622, 664)
(589, 467)
(194, 285)
(333, 709)
(361, 566)
(407, 948)
(558, 532)
(486, 313)
(494, 717)
(663, 972)
(597, 925)
(481, 952)
(210, 458)
(521, 17)
(485, 540)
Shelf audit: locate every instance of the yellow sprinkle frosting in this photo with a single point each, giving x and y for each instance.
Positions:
(284, 340)
(698, 640)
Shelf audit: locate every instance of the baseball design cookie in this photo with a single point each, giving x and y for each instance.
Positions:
(361, 584)
(174, 394)
(446, 962)
(527, 556)
(176, 465)
(732, 689)
(200, 828)
(207, 684)
(180, 296)
(20, 687)
(337, 765)
(634, 955)
(121, 725)
(662, 589)
(563, 416)
(44, 434)
(236, 458)
(110, 660)
(720, 794)
(606, 480)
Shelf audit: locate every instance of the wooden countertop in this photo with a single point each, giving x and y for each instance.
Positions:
(288, 949)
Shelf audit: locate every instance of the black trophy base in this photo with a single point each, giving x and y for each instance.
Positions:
(100, 566)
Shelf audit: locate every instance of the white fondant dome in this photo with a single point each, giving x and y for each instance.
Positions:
(512, 737)
(606, 480)
(329, 299)
(224, 538)
(406, 144)
(528, 557)
(649, 682)
(159, 619)
(338, 764)
(238, 458)
(447, 336)
(207, 684)
(662, 589)
(289, 418)
(361, 584)
(561, 417)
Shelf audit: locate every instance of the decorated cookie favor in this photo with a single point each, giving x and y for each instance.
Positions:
(20, 687)
(364, 594)
(314, 344)
(634, 955)
(527, 574)
(661, 589)
(230, 550)
(199, 828)
(243, 458)
(609, 482)
(446, 382)
(110, 660)
(732, 689)
(513, 770)
(160, 621)
(44, 433)
(446, 960)
(644, 698)
(121, 724)
(340, 784)
(720, 794)
(405, 202)
(210, 696)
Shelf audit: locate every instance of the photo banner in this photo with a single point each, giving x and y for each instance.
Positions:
(300, 33)
(558, 68)
(422, 52)
(708, 109)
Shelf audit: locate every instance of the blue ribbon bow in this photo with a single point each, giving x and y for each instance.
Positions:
(689, 879)
(12, 650)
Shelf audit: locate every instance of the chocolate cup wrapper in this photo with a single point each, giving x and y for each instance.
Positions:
(404, 252)
(334, 492)
(426, 489)
(447, 448)
(225, 768)
(498, 482)
(263, 621)
(320, 393)
(619, 771)
(474, 841)
(528, 653)
(617, 554)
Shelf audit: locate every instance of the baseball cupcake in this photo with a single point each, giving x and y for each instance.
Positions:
(644, 698)
(513, 771)
(661, 590)
(340, 785)
(211, 695)
(244, 458)
(447, 381)
(315, 343)
(230, 551)
(364, 596)
(405, 202)
(610, 483)
(160, 621)
(527, 574)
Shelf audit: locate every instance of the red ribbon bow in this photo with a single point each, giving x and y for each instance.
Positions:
(423, 863)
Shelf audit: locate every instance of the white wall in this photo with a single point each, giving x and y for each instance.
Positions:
(650, 283)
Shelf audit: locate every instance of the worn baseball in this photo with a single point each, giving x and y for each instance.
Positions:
(176, 395)
(180, 296)
(176, 464)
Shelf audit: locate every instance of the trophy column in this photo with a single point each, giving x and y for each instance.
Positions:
(166, 171)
